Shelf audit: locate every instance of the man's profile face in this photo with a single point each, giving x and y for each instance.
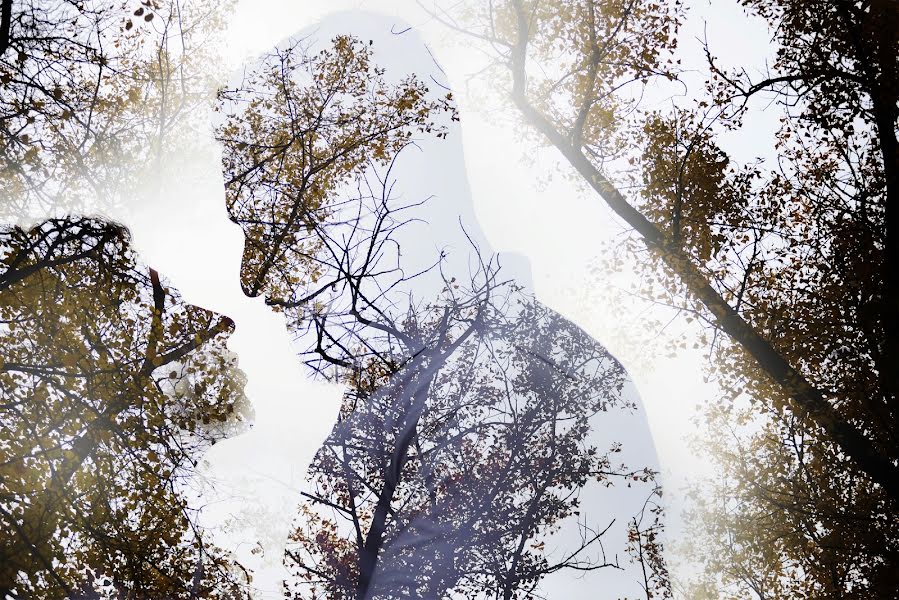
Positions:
(307, 134)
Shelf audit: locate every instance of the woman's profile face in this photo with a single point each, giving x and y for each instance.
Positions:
(315, 130)
(111, 390)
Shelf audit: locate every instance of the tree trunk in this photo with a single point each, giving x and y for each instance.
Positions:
(5, 26)
(807, 401)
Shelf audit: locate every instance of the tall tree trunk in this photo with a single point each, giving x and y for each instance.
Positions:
(884, 96)
(5, 26)
(807, 401)
(368, 558)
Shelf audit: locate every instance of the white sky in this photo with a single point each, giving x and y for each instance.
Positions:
(183, 231)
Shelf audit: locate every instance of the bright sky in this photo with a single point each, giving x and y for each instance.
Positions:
(182, 229)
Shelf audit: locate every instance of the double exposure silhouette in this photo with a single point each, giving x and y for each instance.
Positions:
(477, 424)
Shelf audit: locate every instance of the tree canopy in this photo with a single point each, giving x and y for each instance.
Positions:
(467, 434)
(91, 93)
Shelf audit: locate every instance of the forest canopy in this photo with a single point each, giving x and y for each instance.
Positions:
(476, 423)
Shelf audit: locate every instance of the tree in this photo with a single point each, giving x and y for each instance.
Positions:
(111, 388)
(464, 437)
(795, 262)
(91, 93)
